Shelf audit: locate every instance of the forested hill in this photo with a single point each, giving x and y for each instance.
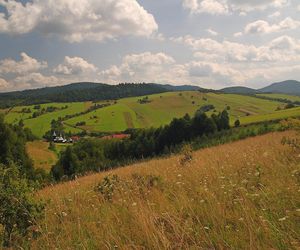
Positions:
(78, 92)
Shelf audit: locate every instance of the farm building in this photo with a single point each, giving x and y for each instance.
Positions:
(60, 138)
(115, 136)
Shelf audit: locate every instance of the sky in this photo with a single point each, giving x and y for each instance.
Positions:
(208, 43)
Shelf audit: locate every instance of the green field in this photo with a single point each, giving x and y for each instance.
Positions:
(129, 113)
(160, 110)
(282, 96)
(41, 124)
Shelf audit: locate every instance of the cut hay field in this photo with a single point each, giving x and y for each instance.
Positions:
(162, 108)
(41, 155)
(243, 195)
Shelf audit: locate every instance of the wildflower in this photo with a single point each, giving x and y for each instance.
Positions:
(64, 214)
(282, 219)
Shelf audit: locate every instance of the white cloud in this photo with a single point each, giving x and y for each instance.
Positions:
(34, 80)
(298, 7)
(218, 7)
(212, 32)
(144, 67)
(275, 14)
(3, 84)
(257, 4)
(76, 21)
(238, 34)
(75, 66)
(25, 65)
(262, 26)
(281, 49)
(215, 7)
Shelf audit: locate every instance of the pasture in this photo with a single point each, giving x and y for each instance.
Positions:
(162, 108)
(159, 110)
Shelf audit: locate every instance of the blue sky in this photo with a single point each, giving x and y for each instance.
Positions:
(210, 43)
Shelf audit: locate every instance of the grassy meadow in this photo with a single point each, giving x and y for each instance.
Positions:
(42, 124)
(243, 195)
(162, 108)
(41, 155)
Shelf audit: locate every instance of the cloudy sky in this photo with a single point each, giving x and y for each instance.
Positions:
(210, 43)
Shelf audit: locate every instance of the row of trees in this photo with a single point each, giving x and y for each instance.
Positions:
(19, 211)
(97, 155)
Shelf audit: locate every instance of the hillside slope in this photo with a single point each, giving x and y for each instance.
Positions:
(290, 87)
(78, 92)
(243, 195)
(287, 87)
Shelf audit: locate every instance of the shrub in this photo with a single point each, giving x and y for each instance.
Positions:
(107, 187)
(187, 155)
(19, 212)
(237, 123)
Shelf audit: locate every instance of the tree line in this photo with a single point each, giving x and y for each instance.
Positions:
(90, 155)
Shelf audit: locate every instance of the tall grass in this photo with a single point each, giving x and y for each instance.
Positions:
(243, 195)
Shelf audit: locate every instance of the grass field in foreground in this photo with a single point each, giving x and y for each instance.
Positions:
(41, 155)
(129, 113)
(243, 195)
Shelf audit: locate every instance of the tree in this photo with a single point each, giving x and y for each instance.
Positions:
(237, 123)
(18, 209)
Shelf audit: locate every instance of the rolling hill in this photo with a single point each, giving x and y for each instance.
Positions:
(238, 90)
(159, 110)
(86, 91)
(287, 87)
(290, 87)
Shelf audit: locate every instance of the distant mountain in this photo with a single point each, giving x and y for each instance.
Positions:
(181, 87)
(238, 90)
(291, 87)
(286, 87)
(78, 92)
(86, 91)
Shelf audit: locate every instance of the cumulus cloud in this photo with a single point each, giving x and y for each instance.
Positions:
(3, 84)
(218, 7)
(212, 32)
(262, 26)
(275, 14)
(215, 7)
(34, 80)
(25, 65)
(76, 21)
(150, 67)
(281, 49)
(75, 66)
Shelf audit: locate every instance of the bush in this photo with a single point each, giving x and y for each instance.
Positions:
(237, 123)
(19, 212)
(107, 187)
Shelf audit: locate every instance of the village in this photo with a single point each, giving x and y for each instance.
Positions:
(60, 138)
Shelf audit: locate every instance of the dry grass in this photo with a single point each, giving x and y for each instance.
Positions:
(243, 195)
(41, 155)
